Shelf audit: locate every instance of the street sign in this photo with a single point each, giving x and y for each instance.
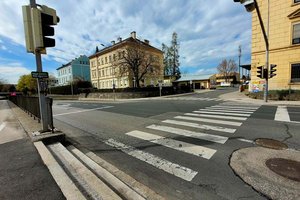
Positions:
(39, 75)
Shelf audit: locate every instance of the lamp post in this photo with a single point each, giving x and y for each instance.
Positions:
(250, 5)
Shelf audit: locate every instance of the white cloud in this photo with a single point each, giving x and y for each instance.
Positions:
(207, 30)
(12, 71)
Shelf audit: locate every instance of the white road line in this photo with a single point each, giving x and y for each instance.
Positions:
(217, 116)
(229, 111)
(2, 126)
(233, 109)
(223, 113)
(200, 126)
(209, 120)
(245, 140)
(160, 163)
(80, 111)
(237, 107)
(282, 114)
(187, 133)
(185, 147)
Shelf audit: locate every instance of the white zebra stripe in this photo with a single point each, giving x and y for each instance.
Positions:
(217, 116)
(187, 133)
(200, 126)
(229, 111)
(209, 120)
(193, 149)
(160, 163)
(223, 113)
(235, 107)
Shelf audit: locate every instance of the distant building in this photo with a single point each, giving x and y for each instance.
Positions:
(77, 69)
(104, 73)
(194, 81)
(233, 77)
(284, 42)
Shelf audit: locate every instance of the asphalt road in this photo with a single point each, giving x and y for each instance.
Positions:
(162, 143)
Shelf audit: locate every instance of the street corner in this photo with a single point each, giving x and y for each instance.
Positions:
(273, 173)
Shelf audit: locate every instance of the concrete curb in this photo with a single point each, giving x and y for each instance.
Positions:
(66, 185)
(249, 165)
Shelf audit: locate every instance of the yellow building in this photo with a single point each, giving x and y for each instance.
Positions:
(284, 42)
(107, 65)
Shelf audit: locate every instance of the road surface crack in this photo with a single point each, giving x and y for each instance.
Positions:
(288, 133)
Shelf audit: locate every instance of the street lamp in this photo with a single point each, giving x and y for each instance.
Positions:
(250, 5)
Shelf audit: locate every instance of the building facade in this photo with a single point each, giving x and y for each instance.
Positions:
(77, 69)
(284, 44)
(106, 67)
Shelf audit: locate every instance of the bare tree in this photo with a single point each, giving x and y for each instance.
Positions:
(226, 68)
(135, 61)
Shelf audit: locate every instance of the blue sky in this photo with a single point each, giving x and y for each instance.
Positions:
(208, 31)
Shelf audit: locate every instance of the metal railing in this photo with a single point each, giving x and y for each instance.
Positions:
(31, 106)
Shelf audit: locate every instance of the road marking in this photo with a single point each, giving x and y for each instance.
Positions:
(216, 116)
(282, 114)
(80, 111)
(209, 120)
(2, 126)
(187, 133)
(185, 147)
(245, 140)
(224, 110)
(223, 113)
(236, 107)
(160, 163)
(200, 126)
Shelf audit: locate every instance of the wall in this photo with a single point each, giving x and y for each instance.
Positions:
(282, 52)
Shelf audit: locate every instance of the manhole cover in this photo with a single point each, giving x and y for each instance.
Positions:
(287, 168)
(270, 143)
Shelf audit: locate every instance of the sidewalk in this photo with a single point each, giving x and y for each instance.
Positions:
(22, 172)
(242, 98)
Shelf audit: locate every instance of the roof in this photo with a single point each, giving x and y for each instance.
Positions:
(64, 65)
(118, 44)
(190, 77)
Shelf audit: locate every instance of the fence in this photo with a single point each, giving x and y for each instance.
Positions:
(32, 107)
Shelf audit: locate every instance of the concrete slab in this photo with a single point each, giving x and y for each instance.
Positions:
(249, 164)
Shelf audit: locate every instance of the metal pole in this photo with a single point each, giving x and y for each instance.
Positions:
(266, 38)
(42, 98)
(240, 54)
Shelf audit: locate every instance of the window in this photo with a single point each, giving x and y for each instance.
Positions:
(114, 57)
(296, 1)
(296, 34)
(295, 72)
(105, 60)
(102, 61)
(109, 59)
(119, 55)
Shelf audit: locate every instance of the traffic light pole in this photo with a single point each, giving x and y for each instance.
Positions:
(266, 38)
(42, 98)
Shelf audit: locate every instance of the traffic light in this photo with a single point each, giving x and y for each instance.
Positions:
(249, 4)
(38, 24)
(260, 72)
(272, 70)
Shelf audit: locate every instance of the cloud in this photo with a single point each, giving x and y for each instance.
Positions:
(12, 71)
(208, 31)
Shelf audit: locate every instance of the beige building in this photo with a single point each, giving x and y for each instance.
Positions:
(107, 65)
(284, 42)
(233, 77)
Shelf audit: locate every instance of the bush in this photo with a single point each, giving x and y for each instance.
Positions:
(293, 95)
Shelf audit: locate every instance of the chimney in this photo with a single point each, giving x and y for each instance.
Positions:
(133, 34)
(113, 42)
(119, 39)
(147, 42)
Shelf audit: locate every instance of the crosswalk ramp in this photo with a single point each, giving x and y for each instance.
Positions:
(200, 125)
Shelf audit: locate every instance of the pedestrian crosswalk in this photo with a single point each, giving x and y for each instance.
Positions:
(202, 125)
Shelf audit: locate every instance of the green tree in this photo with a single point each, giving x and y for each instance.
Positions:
(27, 84)
(171, 57)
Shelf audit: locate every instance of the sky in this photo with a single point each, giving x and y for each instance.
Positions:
(208, 31)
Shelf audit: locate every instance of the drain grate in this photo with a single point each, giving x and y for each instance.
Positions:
(287, 168)
(270, 143)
